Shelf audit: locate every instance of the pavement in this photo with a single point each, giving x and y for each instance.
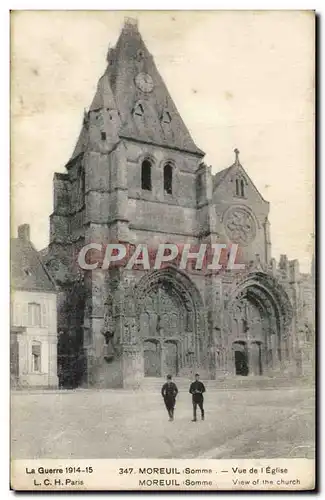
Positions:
(277, 423)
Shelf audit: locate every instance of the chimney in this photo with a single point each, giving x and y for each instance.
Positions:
(24, 232)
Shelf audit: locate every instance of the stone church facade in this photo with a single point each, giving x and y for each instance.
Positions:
(136, 176)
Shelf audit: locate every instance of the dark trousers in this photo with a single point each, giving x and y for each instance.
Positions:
(198, 402)
(170, 405)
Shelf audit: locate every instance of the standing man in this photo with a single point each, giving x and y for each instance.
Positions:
(197, 389)
(169, 392)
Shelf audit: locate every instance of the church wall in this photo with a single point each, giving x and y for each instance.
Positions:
(183, 186)
(257, 244)
(61, 191)
(152, 216)
(97, 207)
(184, 167)
(62, 252)
(59, 228)
(153, 237)
(155, 210)
(206, 221)
(76, 186)
(96, 233)
(76, 225)
(97, 172)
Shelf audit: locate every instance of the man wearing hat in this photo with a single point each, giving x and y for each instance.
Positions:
(169, 392)
(197, 389)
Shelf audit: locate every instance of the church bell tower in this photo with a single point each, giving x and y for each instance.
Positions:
(131, 178)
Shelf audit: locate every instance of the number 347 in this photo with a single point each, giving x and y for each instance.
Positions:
(129, 470)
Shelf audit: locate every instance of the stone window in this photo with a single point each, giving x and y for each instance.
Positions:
(146, 175)
(240, 187)
(168, 179)
(34, 314)
(237, 187)
(36, 356)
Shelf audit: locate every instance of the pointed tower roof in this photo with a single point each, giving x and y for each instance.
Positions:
(131, 81)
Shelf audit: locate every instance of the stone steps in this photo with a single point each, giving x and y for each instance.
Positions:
(229, 383)
(183, 384)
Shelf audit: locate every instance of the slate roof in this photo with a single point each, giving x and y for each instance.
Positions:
(27, 270)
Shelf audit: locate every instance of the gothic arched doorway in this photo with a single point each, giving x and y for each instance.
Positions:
(259, 315)
(241, 358)
(169, 308)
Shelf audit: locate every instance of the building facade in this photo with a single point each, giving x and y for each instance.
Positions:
(33, 331)
(136, 176)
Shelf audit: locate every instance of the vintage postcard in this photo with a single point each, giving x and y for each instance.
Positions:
(162, 253)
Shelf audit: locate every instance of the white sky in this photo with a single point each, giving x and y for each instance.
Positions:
(239, 79)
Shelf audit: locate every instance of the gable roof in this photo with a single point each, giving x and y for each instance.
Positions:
(27, 269)
(221, 176)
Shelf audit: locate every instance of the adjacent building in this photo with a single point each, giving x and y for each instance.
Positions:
(33, 331)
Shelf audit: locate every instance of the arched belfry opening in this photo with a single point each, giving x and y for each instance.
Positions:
(168, 179)
(146, 175)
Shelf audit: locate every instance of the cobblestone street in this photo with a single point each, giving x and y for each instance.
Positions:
(121, 424)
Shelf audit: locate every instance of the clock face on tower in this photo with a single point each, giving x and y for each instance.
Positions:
(144, 82)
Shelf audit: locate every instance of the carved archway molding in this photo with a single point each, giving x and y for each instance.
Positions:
(186, 291)
(178, 280)
(268, 294)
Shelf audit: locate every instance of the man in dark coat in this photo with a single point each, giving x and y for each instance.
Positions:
(169, 392)
(197, 389)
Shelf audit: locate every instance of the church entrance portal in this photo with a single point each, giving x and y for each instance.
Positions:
(259, 315)
(162, 324)
(168, 323)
